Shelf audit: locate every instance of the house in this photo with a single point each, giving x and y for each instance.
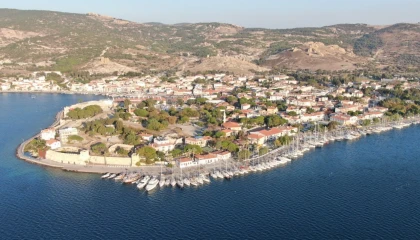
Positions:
(66, 132)
(53, 144)
(227, 132)
(198, 140)
(344, 119)
(223, 155)
(280, 77)
(186, 162)
(313, 117)
(272, 134)
(233, 126)
(47, 134)
(272, 110)
(147, 137)
(256, 138)
(245, 106)
(206, 159)
(163, 147)
(372, 115)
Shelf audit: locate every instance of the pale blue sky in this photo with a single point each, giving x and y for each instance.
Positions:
(248, 13)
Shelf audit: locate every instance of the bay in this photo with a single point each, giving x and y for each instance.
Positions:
(365, 189)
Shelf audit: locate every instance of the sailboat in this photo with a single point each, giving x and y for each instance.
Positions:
(162, 178)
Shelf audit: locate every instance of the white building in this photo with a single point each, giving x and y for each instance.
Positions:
(47, 134)
(186, 162)
(66, 132)
(53, 144)
(206, 159)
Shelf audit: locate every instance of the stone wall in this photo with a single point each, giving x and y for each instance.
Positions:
(83, 158)
(68, 158)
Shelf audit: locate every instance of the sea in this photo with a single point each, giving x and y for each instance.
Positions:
(364, 189)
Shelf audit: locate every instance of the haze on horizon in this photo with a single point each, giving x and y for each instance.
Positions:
(247, 13)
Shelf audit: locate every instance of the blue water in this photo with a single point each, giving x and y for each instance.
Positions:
(366, 189)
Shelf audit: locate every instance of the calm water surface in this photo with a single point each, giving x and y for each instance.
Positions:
(366, 189)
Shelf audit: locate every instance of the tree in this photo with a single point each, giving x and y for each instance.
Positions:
(263, 150)
(310, 110)
(180, 101)
(127, 103)
(366, 122)
(201, 100)
(274, 121)
(141, 112)
(161, 156)
(147, 152)
(292, 113)
(219, 134)
(243, 100)
(121, 151)
(99, 148)
(176, 152)
(189, 148)
(231, 99)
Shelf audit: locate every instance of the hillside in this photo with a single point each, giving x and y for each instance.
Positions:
(45, 40)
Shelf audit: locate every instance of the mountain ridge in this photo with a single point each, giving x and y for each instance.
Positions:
(75, 41)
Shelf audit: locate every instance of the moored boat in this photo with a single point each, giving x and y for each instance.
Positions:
(143, 182)
(152, 184)
(106, 175)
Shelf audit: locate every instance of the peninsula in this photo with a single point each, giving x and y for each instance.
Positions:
(218, 123)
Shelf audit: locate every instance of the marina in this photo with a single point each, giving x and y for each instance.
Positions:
(231, 169)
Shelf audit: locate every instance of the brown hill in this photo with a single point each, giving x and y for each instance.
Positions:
(73, 42)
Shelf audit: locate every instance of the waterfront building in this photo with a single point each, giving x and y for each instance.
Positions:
(186, 162)
(223, 155)
(206, 159)
(344, 119)
(263, 136)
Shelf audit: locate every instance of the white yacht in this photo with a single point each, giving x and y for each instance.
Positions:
(194, 182)
(152, 184)
(162, 181)
(106, 175)
(187, 182)
(214, 175)
(173, 182)
(205, 178)
(168, 182)
(143, 182)
(180, 183)
(120, 176)
(226, 174)
(219, 175)
(112, 176)
(200, 179)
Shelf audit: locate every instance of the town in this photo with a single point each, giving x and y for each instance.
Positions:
(187, 121)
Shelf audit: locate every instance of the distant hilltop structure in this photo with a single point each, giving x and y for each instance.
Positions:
(98, 15)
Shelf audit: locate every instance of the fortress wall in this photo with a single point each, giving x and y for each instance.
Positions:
(126, 161)
(67, 158)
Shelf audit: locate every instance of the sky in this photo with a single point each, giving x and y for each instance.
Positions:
(247, 13)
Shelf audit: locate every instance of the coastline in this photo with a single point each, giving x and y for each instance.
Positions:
(99, 169)
(57, 92)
